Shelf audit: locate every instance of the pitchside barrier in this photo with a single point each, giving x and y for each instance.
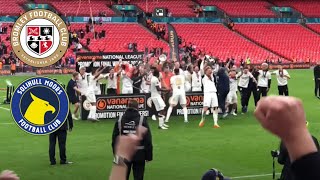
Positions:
(111, 107)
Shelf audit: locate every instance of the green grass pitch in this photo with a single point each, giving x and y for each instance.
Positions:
(239, 148)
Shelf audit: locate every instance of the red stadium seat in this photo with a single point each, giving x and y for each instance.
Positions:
(309, 8)
(290, 40)
(252, 8)
(222, 42)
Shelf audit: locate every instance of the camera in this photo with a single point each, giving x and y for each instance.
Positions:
(275, 153)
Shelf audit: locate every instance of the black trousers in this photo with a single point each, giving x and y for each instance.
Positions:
(283, 90)
(254, 91)
(222, 95)
(316, 87)
(62, 139)
(137, 168)
(244, 94)
(262, 92)
(111, 91)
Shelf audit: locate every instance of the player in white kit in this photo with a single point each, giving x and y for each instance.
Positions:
(157, 100)
(232, 98)
(282, 78)
(127, 87)
(210, 99)
(264, 81)
(90, 94)
(196, 80)
(178, 95)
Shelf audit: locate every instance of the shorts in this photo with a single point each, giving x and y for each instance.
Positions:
(158, 103)
(127, 91)
(196, 89)
(210, 100)
(74, 99)
(181, 98)
(91, 97)
(232, 97)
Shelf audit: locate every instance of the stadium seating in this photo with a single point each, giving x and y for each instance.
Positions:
(222, 42)
(80, 8)
(252, 8)
(315, 27)
(11, 7)
(290, 40)
(119, 35)
(176, 7)
(309, 8)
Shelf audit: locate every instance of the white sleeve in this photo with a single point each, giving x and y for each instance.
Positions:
(269, 75)
(286, 73)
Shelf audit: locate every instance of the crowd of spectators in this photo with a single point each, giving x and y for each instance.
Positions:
(158, 29)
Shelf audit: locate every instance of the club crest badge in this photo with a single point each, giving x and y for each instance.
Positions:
(39, 38)
(39, 106)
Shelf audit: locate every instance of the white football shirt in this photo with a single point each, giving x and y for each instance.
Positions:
(244, 79)
(153, 87)
(282, 81)
(208, 85)
(177, 84)
(263, 78)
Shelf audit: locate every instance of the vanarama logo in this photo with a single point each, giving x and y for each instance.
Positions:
(119, 103)
(39, 106)
(39, 38)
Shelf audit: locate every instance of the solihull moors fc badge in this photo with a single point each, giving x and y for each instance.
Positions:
(39, 106)
(39, 38)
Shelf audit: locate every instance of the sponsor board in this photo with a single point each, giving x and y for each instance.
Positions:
(108, 59)
(111, 107)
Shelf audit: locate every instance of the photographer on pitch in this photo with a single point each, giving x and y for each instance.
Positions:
(127, 125)
(284, 159)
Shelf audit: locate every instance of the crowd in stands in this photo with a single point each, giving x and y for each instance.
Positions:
(158, 29)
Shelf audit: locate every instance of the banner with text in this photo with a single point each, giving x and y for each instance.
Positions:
(286, 66)
(108, 59)
(111, 107)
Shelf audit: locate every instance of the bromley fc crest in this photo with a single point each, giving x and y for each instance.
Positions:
(39, 38)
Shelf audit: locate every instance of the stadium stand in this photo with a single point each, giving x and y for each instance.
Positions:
(222, 42)
(11, 7)
(309, 8)
(315, 27)
(290, 40)
(118, 36)
(176, 7)
(252, 8)
(80, 8)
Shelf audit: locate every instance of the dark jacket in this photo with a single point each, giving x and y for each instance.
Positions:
(223, 81)
(307, 167)
(129, 122)
(68, 124)
(284, 159)
(136, 82)
(316, 71)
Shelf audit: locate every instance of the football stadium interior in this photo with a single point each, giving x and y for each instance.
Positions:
(222, 32)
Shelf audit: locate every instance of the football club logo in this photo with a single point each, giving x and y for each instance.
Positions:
(39, 106)
(39, 38)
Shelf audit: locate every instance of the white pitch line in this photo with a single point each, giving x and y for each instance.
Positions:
(5, 108)
(6, 123)
(253, 176)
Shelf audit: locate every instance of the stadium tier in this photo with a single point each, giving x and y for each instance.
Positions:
(11, 7)
(118, 36)
(290, 40)
(306, 7)
(80, 8)
(221, 42)
(176, 7)
(252, 8)
(315, 27)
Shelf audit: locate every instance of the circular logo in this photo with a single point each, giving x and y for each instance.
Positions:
(86, 105)
(101, 104)
(188, 101)
(39, 106)
(39, 38)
